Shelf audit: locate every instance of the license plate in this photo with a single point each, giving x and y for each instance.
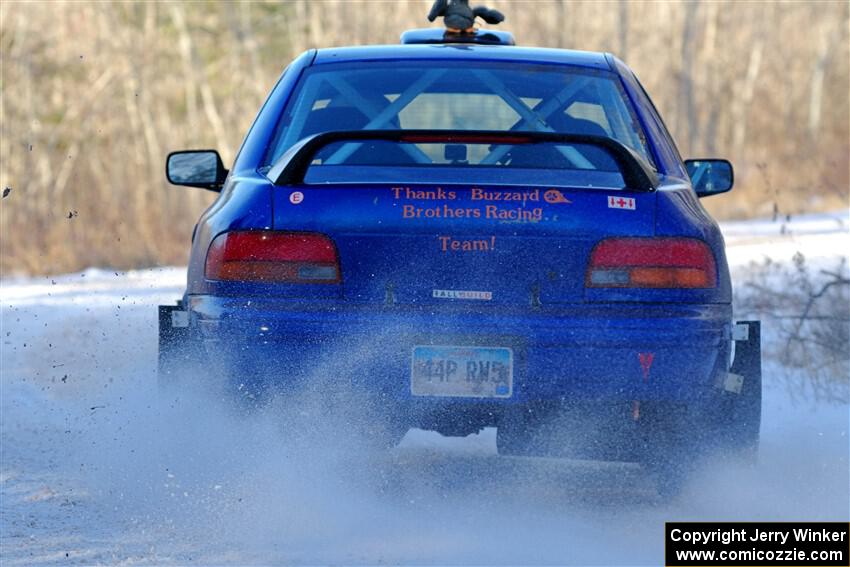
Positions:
(462, 371)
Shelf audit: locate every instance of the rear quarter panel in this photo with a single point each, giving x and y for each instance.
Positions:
(244, 203)
(679, 212)
(246, 199)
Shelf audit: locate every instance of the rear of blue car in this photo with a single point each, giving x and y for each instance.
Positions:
(472, 238)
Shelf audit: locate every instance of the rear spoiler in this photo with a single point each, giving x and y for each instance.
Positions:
(292, 166)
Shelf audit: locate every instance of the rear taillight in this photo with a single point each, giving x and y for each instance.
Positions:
(271, 256)
(652, 262)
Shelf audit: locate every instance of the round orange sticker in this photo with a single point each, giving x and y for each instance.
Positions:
(555, 196)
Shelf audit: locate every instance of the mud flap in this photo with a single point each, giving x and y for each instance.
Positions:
(178, 352)
(743, 388)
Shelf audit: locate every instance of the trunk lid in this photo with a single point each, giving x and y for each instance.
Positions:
(429, 245)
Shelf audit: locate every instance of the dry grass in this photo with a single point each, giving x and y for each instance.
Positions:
(810, 313)
(94, 95)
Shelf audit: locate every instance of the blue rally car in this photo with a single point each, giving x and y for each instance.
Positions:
(466, 234)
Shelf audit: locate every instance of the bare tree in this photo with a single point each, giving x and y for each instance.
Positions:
(94, 94)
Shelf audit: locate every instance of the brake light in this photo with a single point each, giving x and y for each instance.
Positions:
(459, 138)
(652, 262)
(271, 256)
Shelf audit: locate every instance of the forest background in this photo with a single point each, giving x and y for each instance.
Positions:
(93, 95)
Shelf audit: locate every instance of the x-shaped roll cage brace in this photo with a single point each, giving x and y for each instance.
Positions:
(535, 117)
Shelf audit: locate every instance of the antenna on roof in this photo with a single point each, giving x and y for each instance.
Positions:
(459, 18)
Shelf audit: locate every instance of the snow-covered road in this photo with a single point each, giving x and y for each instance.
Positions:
(97, 469)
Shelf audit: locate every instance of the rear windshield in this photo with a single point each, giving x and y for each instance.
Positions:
(432, 162)
(461, 96)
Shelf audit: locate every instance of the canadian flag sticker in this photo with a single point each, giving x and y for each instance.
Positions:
(621, 203)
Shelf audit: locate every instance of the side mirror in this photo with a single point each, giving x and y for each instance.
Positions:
(196, 168)
(710, 176)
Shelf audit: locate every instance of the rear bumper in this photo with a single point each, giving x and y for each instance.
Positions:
(579, 354)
